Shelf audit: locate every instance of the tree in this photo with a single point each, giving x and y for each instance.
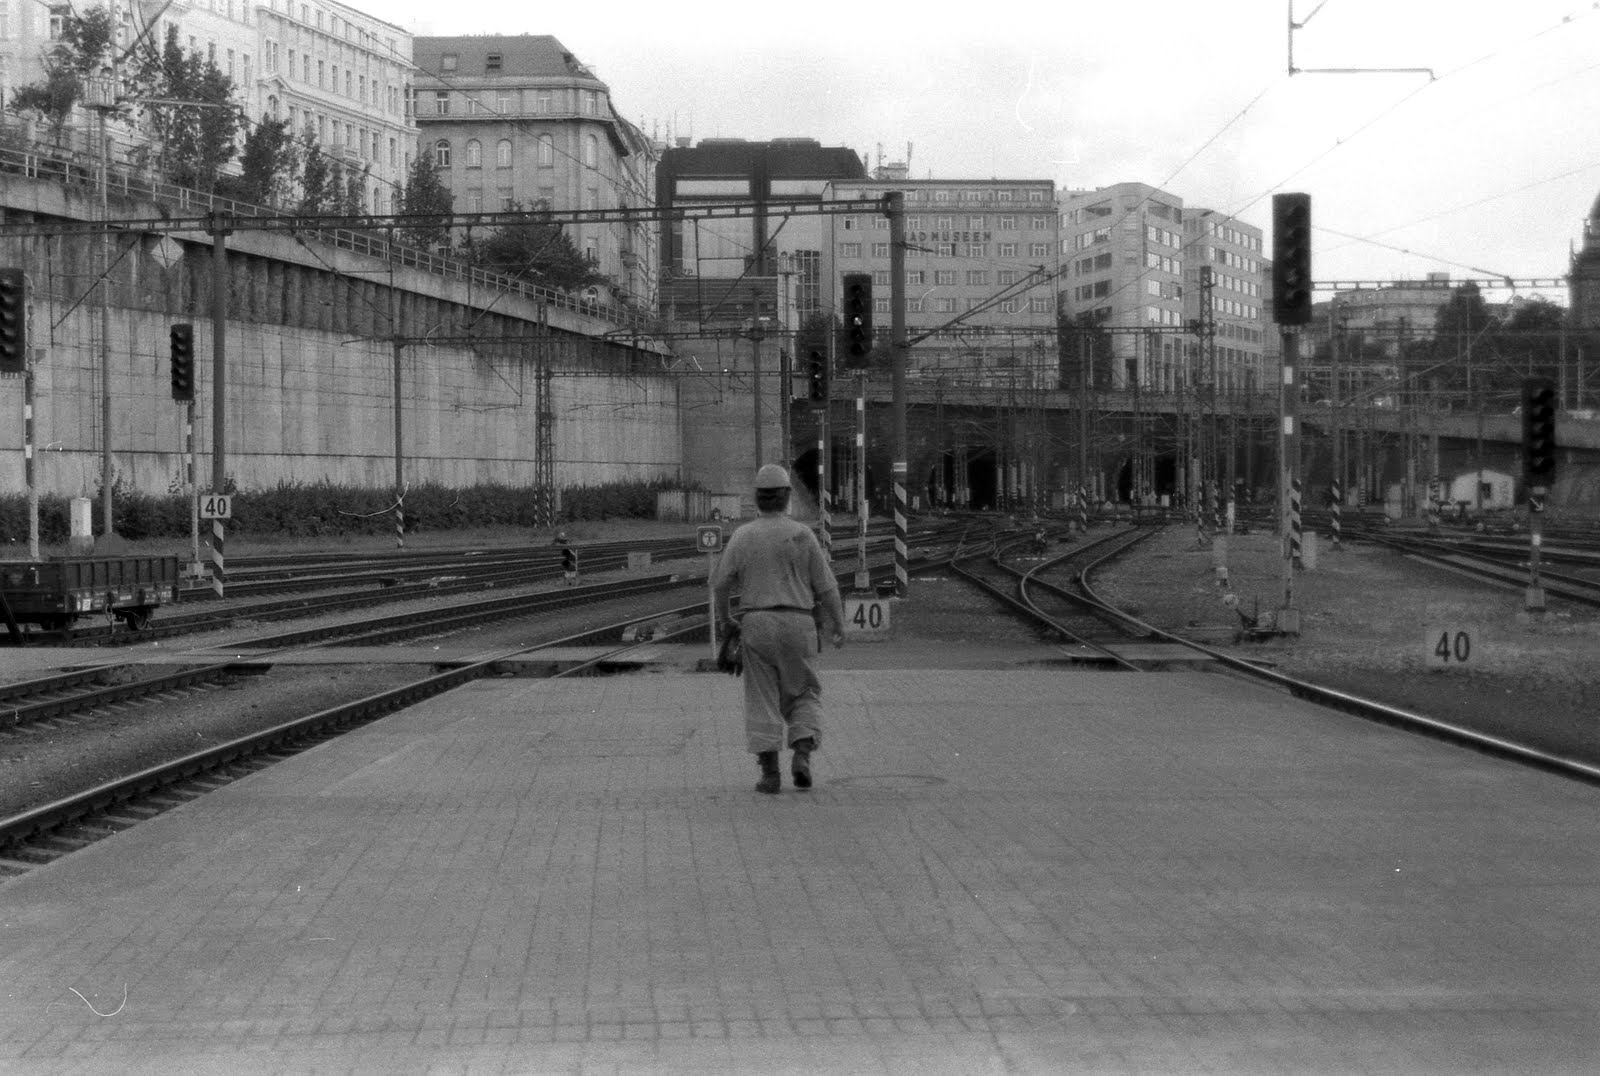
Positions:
(270, 162)
(197, 139)
(316, 177)
(83, 49)
(536, 248)
(1071, 332)
(426, 198)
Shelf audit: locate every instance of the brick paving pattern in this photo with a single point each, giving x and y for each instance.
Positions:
(1028, 870)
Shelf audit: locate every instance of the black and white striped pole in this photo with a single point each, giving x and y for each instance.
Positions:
(1291, 309)
(894, 209)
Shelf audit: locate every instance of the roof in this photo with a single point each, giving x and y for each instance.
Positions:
(522, 56)
(782, 158)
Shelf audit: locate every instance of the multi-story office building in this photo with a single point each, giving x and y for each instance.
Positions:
(334, 73)
(1143, 267)
(520, 122)
(780, 255)
(1224, 268)
(981, 266)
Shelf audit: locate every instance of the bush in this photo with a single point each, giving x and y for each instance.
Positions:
(324, 510)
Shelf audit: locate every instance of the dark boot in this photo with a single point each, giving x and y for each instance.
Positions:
(770, 781)
(801, 765)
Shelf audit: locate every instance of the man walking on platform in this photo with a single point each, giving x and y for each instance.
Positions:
(783, 579)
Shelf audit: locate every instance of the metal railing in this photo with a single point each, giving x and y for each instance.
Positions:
(60, 164)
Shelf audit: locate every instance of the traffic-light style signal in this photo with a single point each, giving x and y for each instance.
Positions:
(183, 363)
(1291, 259)
(817, 376)
(13, 322)
(1539, 430)
(857, 319)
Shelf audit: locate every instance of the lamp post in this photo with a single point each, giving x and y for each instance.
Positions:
(756, 332)
(100, 96)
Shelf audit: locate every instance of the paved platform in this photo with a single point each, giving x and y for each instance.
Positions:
(1000, 870)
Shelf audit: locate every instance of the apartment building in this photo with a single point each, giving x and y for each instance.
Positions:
(981, 268)
(334, 72)
(520, 122)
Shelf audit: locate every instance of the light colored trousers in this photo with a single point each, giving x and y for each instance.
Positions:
(782, 692)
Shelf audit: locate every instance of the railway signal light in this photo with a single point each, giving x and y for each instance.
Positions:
(1291, 259)
(183, 363)
(857, 319)
(13, 322)
(1539, 430)
(817, 376)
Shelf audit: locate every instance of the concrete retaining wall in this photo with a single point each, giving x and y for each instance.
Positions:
(310, 366)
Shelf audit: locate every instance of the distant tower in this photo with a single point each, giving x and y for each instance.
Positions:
(1583, 308)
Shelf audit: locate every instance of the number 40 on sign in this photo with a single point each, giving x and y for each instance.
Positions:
(866, 617)
(216, 506)
(1450, 647)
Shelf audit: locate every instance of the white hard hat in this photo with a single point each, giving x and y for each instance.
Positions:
(771, 476)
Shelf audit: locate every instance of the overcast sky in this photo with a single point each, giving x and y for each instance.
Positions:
(1487, 167)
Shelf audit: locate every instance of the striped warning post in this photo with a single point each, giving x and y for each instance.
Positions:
(1083, 509)
(218, 573)
(901, 574)
(1294, 519)
(399, 526)
(1338, 505)
(824, 502)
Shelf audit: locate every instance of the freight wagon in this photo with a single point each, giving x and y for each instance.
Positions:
(56, 593)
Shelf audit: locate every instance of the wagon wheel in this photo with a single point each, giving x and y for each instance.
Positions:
(137, 617)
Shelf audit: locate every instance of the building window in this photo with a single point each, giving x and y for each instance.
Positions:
(448, 61)
(473, 154)
(849, 250)
(1006, 250)
(880, 250)
(474, 200)
(441, 153)
(492, 62)
(848, 224)
(544, 101)
(502, 102)
(547, 152)
(441, 103)
(880, 278)
(1038, 250)
(944, 306)
(1005, 276)
(945, 277)
(978, 277)
(591, 152)
(502, 153)
(591, 103)
(880, 306)
(916, 276)
(975, 224)
(507, 199)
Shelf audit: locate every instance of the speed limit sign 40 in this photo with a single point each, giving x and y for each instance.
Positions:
(216, 506)
(867, 618)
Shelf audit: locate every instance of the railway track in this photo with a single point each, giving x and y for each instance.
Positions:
(1005, 561)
